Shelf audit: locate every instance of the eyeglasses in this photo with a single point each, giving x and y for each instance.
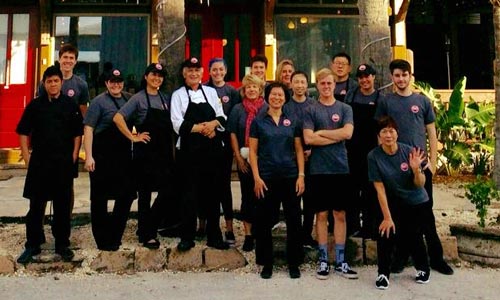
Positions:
(341, 64)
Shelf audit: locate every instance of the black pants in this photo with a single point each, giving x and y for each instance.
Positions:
(280, 191)
(248, 199)
(408, 237)
(225, 194)
(108, 228)
(308, 212)
(61, 222)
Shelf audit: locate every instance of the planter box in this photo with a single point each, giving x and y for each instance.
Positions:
(476, 244)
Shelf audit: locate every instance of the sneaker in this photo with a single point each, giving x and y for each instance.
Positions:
(27, 255)
(323, 270)
(230, 238)
(294, 272)
(185, 245)
(422, 276)
(248, 245)
(344, 270)
(382, 282)
(442, 267)
(65, 253)
(267, 272)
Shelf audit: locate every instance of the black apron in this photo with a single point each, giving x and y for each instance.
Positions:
(112, 177)
(154, 161)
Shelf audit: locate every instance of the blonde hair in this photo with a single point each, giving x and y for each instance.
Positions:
(280, 66)
(251, 79)
(324, 73)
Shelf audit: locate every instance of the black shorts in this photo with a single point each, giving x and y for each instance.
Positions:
(329, 192)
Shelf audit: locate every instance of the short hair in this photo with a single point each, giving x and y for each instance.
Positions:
(68, 48)
(342, 54)
(258, 57)
(216, 60)
(386, 122)
(276, 84)
(323, 73)
(400, 64)
(280, 66)
(298, 72)
(52, 71)
(251, 79)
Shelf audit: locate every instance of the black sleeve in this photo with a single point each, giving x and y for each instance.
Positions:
(25, 125)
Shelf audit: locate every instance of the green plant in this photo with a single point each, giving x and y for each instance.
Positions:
(480, 192)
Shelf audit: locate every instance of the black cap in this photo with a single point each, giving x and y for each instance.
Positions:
(115, 76)
(156, 68)
(365, 70)
(192, 62)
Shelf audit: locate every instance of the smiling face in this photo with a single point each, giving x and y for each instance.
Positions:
(276, 98)
(67, 62)
(326, 86)
(217, 72)
(286, 74)
(366, 82)
(115, 87)
(154, 80)
(299, 85)
(401, 79)
(259, 69)
(252, 91)
(192, 76)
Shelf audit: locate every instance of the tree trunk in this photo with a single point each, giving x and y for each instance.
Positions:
(375, 37)
(171, 39)
(496, 80)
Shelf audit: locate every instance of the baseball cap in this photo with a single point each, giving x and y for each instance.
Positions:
(115, 76)
(365, 70)
(156, 68)
(192, 62)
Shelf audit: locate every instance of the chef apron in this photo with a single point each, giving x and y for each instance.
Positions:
(112, 151)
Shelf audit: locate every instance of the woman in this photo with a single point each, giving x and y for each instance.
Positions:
(108, 158)
(238, 125)
(277, 162)
(396, 172)
(229, 97)
(284, 72)
(198, 118)
(149, 110)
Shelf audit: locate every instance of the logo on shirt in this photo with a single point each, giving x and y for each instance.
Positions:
(415, 109)
(225, 99)
(71, 92)
(335, 118)
(343, 92)
(404, 167)
(287, 122)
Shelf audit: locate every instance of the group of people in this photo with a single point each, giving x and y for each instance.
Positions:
(326, 161)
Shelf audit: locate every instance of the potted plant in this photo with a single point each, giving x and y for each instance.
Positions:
(479, 243)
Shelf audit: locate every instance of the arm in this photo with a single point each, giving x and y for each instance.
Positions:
(119, 121)
(340, 134)
(260, 185)
(240, 161)
(314, 139)
(387, 224)
(77, 143)
(299, 152)
(83, 109)
(432, 136)
(88, 133)
(23, 142)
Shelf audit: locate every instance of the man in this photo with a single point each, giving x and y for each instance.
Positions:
(54, 124)
(363, 99)
(341, 68)
(415, 117)
(258, 66)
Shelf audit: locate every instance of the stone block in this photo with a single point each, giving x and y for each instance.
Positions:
(48, 261)
(450, 248)
(371, 252)
(223, 259)
(184, 261)
(7, 265)
(150, 260)
(114, 262)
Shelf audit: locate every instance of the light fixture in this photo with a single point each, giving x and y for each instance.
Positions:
(303, 20)
(291, 25)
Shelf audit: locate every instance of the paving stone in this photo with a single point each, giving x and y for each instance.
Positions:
(51, 262)
(450, 248)
(150, 260)
(184, 261)
(121, 261)
(7, 265)
(224, 259)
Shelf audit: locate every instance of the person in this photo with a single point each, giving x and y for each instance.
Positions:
(277, 163)
(101, 79)
(296, 108)
(153, 152)
(363, 99)
(284, 72)
(108, 158)
(229, 97)
(396, 172)
(326, 127)
(238, 126)
(198, 117)
(341, 68)
(52, 124)
(258, 66)
(416, 119)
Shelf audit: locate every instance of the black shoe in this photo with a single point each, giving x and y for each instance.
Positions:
(65, 253)
(382, 282)
(185, 245)
(108, 247)
(422, 277)
(27, 255)
(443, 268)
(201, 233)
(267, 272)
(294, 272)
(221, 245)
(230, 239)
(151, 244)
(309, 242)
(248, 245)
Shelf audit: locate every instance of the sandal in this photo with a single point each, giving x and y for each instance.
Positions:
(152, 244)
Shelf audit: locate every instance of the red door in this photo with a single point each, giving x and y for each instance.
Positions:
(16, 72)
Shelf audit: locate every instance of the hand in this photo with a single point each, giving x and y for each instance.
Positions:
(300, 186)
(142, 137)
(416, 158)
(307, 153)
(386, 227)
(242, 164)
(259, 188)
(89, 164)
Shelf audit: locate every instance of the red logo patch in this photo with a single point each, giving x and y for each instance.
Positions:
(225, 99)
(71, 93)
(194, 60)
(415, 109)
(287, 122)
(335, 118)
(343, 92)
(404, 167)
(159, 67)
(116, 73)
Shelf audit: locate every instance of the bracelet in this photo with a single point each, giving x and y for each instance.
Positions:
(302, 174)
